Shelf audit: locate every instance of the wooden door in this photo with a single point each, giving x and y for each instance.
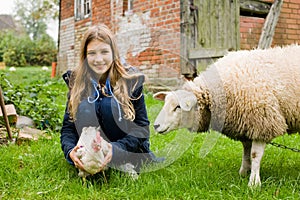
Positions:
(209, 29)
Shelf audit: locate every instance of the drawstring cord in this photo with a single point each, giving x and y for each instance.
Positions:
(109, 88)
(90, 100)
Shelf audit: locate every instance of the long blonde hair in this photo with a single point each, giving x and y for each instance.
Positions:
(81, 86)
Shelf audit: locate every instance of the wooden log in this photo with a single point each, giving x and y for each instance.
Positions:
(268, 30)
(2, 104)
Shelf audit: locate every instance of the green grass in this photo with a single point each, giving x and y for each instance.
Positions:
(37, 170)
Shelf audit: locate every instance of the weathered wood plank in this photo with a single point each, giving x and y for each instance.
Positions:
(213, 18)
(206, 53)
(218, 32)
(185, 39)
(268, 30)
(236, 21)
(203, 23)
(218, 24)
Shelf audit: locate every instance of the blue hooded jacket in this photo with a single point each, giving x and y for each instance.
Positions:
(129, 139)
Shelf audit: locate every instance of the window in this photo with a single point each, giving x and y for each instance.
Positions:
(82, 9)
(127, 7)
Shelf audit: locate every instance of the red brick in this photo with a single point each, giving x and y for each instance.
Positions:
(293, 5)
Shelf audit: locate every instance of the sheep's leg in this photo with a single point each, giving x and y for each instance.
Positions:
(257, 152)
(246, 162)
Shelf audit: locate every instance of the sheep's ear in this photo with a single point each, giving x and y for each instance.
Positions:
(187, 101)
(160, 95)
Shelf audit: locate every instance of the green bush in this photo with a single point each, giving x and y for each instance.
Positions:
(43, 52)
(9, 57)
(40, 99)
(5, 40)
(20, 50)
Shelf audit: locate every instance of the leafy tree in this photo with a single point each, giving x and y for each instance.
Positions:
(35, 14)
(35, 47)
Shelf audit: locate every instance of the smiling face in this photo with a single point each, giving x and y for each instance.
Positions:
(99, 56)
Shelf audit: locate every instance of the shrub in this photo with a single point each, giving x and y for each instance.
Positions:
(9, 57)
(19, 51)
(43, 52)
(5, 39)
(37, 99)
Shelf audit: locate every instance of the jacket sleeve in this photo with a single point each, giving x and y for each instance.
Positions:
(69, 135)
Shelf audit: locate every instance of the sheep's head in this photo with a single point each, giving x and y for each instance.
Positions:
(178, 111)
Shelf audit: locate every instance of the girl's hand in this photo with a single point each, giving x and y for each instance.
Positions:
(77, 162)
(107, 158)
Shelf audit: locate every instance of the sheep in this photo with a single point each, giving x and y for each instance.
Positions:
(252, 96)
(92, 151)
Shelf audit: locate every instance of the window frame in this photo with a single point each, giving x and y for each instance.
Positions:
(82, 9)
(127, 7)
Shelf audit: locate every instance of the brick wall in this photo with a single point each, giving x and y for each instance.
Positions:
(66, 9)
(66, 57)
(148, 37)
(101, 11)
(287, 30)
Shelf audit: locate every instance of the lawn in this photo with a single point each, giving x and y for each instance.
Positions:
(38, 170)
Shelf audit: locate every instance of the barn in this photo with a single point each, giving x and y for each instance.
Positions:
(169, 39)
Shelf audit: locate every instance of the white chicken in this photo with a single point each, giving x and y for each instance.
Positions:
(92, 151)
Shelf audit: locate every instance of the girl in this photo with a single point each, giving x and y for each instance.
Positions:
(103, 92)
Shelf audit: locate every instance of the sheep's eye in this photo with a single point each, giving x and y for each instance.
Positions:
(177, 107)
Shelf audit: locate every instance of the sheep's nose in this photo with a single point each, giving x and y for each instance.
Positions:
(156, 126)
